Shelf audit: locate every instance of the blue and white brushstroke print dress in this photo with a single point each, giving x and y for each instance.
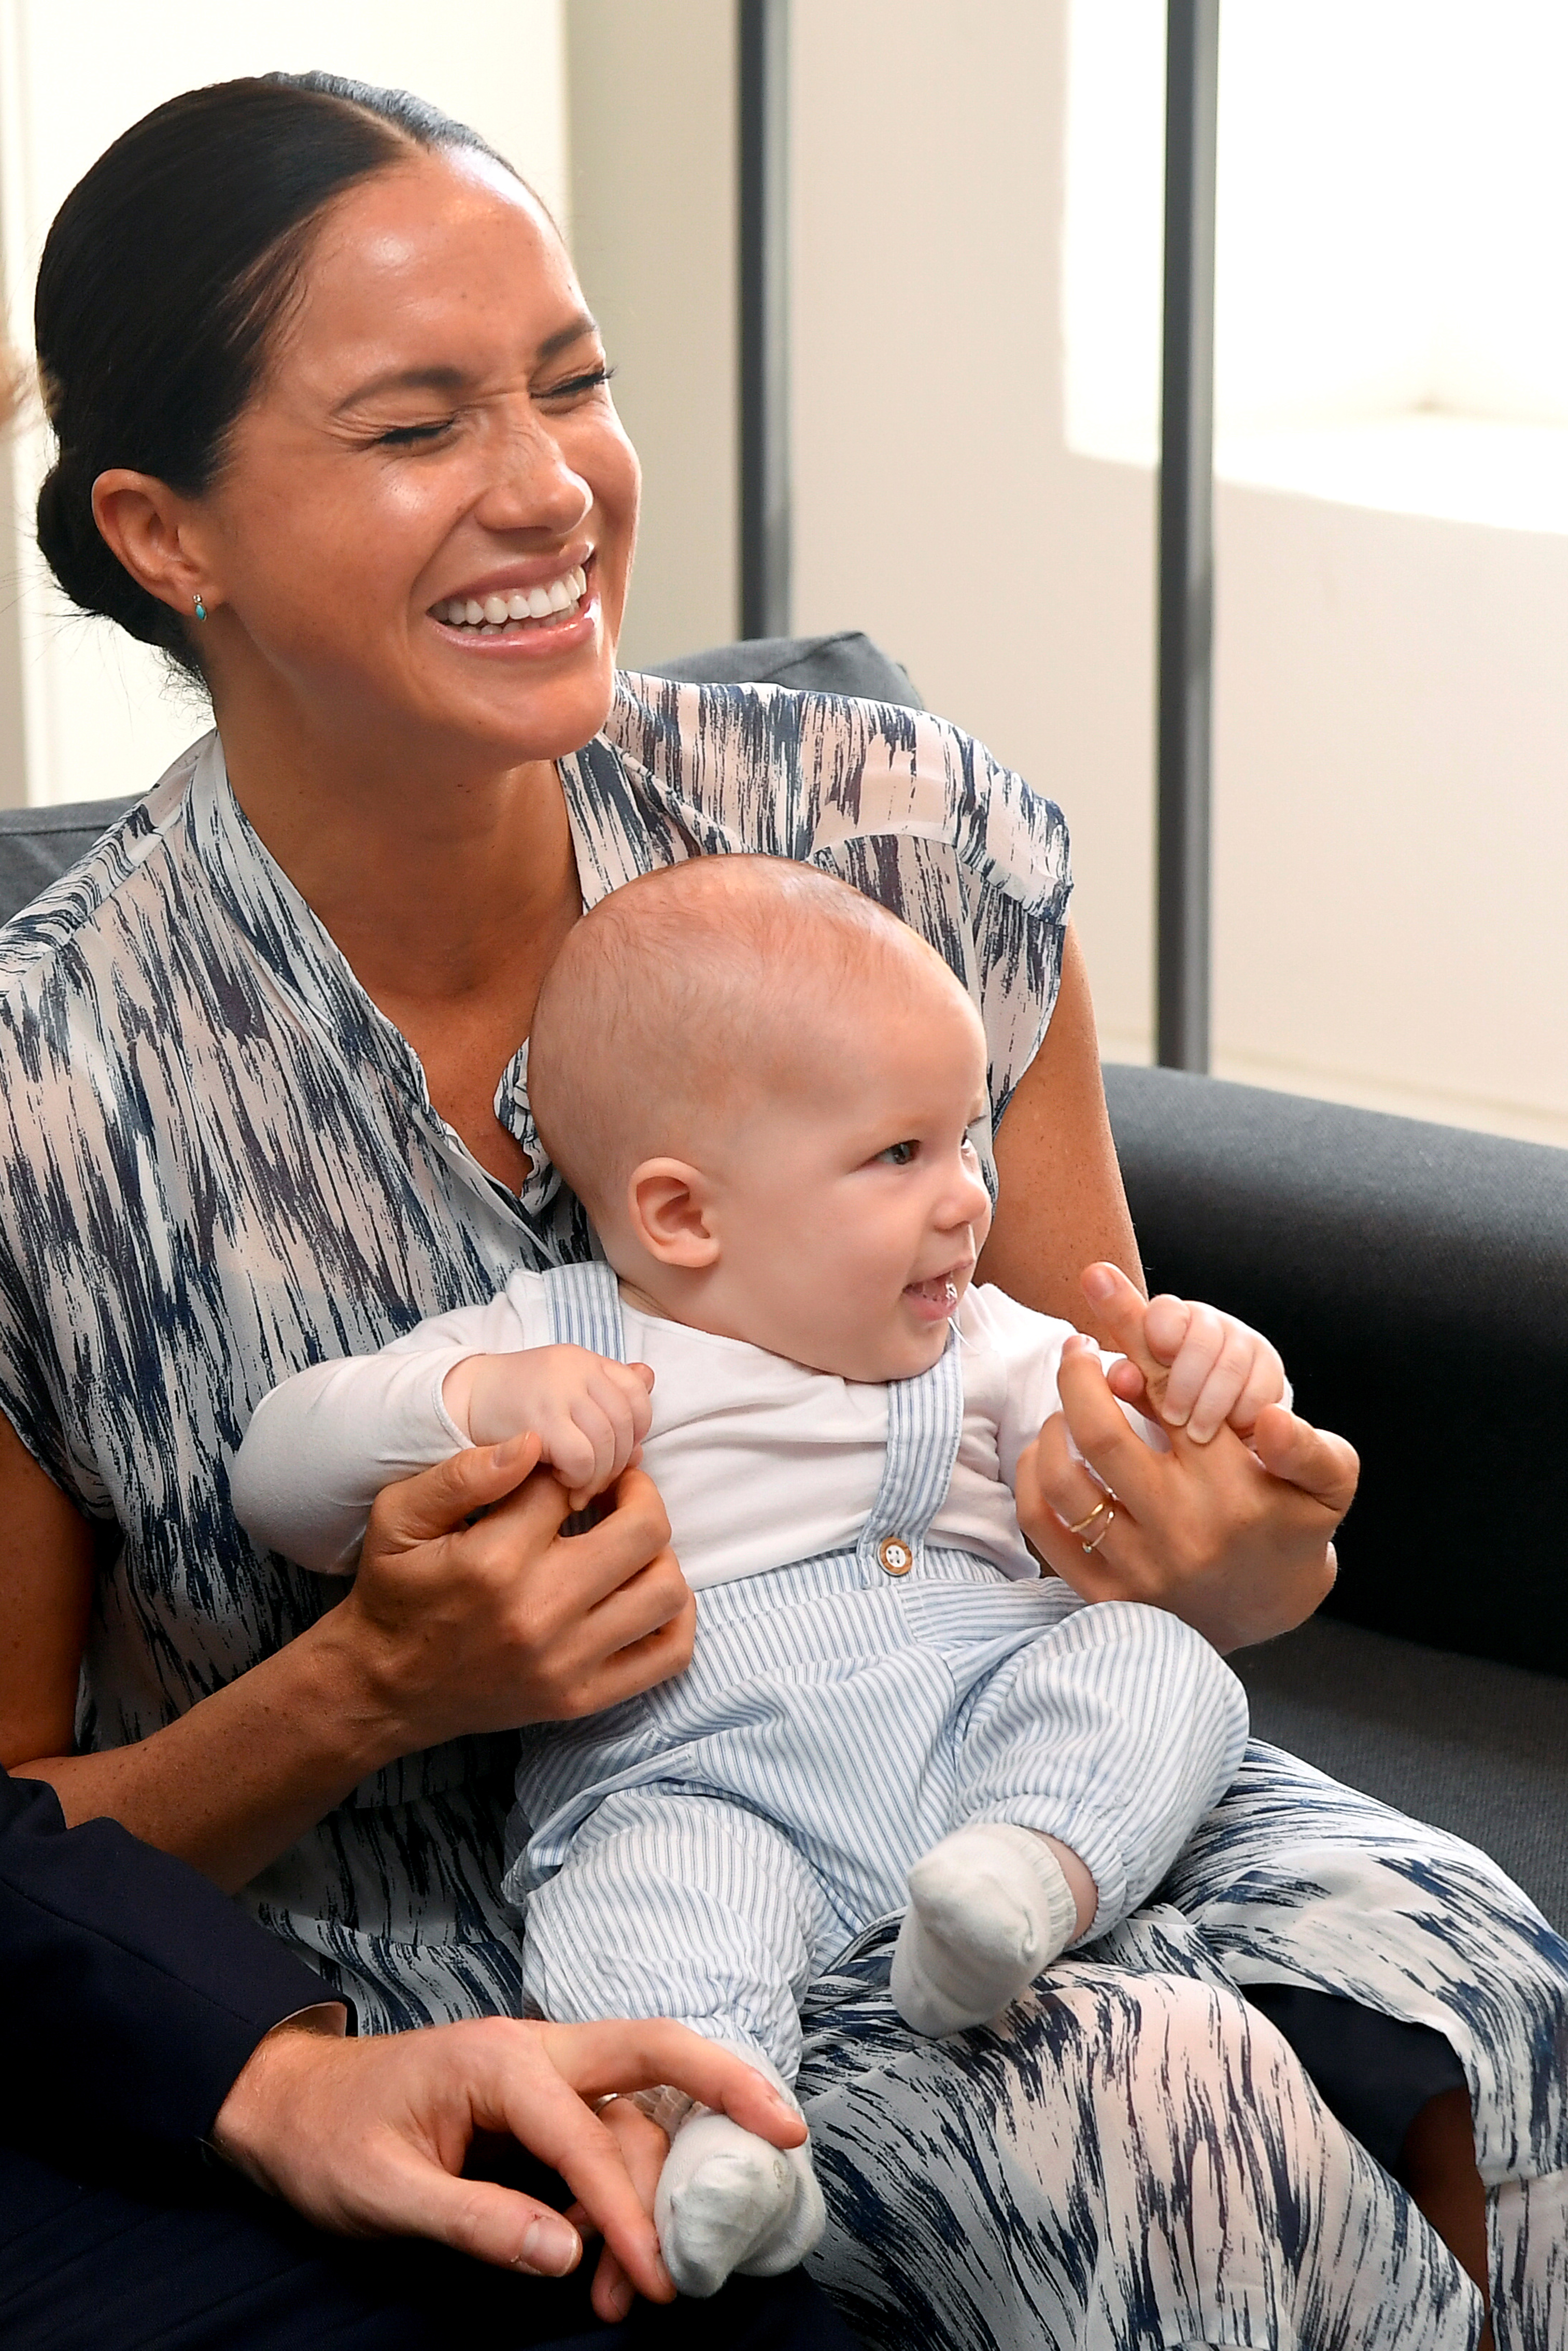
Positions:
(222, 1163)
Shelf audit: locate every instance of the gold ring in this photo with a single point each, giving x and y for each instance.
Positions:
(1110, 1522)
(1084, 1524)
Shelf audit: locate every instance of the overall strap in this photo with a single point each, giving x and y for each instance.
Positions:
(585, 1308)
(925, 1421)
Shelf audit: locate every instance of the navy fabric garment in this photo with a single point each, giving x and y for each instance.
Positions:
(208, 2264)
(131, 1989)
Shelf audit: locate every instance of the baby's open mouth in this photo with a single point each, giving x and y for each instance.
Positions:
(937, 1298)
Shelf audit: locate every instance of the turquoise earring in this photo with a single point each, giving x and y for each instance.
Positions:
(201, 610)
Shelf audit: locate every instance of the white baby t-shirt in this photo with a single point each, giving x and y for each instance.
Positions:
(759, 1462)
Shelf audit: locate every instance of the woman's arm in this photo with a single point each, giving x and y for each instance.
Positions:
(1242, 1553)
(449, 1628)
(1061, 1206)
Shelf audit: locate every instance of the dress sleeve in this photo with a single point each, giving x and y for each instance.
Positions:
(921, 816)
(321, 1447)
(900, 804)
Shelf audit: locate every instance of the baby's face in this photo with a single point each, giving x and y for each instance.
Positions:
(850, 1213)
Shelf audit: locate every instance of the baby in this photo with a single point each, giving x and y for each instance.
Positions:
(766, 1089)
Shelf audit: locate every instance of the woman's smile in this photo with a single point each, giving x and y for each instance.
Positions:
(512, 613)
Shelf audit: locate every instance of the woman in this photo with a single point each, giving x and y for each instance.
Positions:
(335, 432)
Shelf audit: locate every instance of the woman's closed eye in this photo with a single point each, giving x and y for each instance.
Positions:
(578, 387)
(413, 436)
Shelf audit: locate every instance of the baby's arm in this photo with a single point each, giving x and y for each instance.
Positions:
(321, 1447)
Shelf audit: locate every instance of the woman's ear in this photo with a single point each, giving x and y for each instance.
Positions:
(671, 1210)
(151, 529)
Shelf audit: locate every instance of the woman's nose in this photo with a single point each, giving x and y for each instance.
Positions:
(535, 488)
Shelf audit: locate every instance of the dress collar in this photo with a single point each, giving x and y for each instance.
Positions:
(310, 968)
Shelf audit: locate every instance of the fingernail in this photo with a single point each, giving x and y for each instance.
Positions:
(507, 1451)
(1100, 1282)
(663, 2274)
(619, 2297)
(550, 2247)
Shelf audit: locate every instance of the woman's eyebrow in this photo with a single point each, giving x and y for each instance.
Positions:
(454, 379)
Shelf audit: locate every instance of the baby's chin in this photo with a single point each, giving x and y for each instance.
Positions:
(911, 1344)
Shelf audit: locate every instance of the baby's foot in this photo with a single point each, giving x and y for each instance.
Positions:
(726, 2200)
(989, 1908)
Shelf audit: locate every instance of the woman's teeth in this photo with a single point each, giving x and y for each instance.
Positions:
(551, 604)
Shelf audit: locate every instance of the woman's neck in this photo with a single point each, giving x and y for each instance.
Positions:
(448, 890)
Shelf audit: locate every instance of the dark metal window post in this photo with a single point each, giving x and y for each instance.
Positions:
(1186, 539)
(764, 143)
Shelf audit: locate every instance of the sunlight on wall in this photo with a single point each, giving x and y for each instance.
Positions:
(1391, 240)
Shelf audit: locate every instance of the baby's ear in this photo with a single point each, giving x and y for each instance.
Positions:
(669, 1204)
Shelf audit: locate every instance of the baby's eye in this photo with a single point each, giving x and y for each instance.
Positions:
(900, 1155)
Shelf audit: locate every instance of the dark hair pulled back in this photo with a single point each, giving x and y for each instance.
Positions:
(165, 274)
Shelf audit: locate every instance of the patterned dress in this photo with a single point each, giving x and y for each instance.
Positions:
(221, 1163)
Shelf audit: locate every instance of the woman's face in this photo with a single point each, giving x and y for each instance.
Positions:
(425, 523)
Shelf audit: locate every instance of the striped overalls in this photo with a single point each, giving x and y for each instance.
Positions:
(704, 1851)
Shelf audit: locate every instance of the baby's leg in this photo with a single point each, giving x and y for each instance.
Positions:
(1110, 1736)
(989, 1909)
(673, 1904)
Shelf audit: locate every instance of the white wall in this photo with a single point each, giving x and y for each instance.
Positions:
(1391, 725)
(936, 502)
(85, 713)
(652, 222)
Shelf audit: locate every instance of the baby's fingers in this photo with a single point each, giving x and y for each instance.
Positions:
(636, 1383)
(614, 1416)
(1247, 1375)
(1266, 1385)
(571, 1453)
(1195, 1365)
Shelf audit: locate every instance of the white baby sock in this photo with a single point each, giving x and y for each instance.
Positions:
(989, 1908)
(727, 2201)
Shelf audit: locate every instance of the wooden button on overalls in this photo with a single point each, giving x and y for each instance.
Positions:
(896, 1555)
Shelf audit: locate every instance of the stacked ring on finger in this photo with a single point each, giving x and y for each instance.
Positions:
(1106, 1508)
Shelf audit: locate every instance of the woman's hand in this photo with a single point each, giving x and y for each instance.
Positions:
(459, 1623)
(449, 1628)
(1235, 1540)
(367, 2137)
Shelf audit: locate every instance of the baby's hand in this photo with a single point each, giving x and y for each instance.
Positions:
(590, 1414)
(1220, 1369)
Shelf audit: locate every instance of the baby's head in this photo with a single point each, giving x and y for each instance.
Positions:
(761, 1085)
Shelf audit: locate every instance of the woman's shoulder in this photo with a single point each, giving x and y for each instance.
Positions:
(88, 915)
(806, 775)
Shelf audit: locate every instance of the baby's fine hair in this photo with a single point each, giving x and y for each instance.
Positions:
(685, 996)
